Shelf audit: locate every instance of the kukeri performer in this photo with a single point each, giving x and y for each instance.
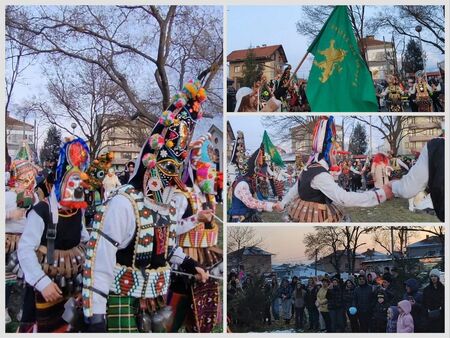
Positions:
(393, 94)
(426, 174)
(50, 250)
(317, 197)
(19, 198)
(96, 173)
(423, 91)
(244, 207)
(132, 247)
(195, 304)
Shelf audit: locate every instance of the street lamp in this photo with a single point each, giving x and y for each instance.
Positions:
(418, 30)
(73, 125)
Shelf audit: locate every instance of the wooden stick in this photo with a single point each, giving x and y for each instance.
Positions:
(299, 65)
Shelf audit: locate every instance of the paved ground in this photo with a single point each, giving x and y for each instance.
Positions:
(395, 210)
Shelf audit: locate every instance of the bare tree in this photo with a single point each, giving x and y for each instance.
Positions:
(352, 242)
(396, 128)
(314, 17)
(85, 96)
(241, 236)
(404, 19)
(325, 241)
(127, 43)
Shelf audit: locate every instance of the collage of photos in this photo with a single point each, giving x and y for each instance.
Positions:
(195, 169)
(113, 162)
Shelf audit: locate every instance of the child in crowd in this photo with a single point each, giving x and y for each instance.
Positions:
(392, 317)
(379, 318)
(405, 322)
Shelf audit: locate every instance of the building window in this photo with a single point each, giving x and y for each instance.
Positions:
(407, 145)
(126, 156)
(216, 140)
(237, 69)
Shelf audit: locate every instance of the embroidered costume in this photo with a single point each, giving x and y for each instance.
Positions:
(317, 197)
(244, 207)
(393, 94)
(195, 305)
(423, 91)
(132, 247)
(50, 249)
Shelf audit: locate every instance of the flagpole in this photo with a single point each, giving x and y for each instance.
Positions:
(299, 65)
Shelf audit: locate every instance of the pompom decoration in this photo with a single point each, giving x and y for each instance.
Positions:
(169, 143)
(156, 141)
(149, 160)
(167, 118)
(201, 95)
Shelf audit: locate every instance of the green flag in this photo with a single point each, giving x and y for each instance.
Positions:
(270, 149)
(339, 80)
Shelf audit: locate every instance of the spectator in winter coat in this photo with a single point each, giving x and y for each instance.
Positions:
(397, 286)
(285, 293)
(388, 289)
(310, 302)
(415, 297)
(322, 303)
(392, 317)
(405, 322)
(379, 318)
(363, 301)
(336, 306)
(348, 293)
(434, 303)
(299, 305)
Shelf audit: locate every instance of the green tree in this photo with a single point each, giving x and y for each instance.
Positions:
(252, 70)
(52, 143)
(413, 59)
(358, 140)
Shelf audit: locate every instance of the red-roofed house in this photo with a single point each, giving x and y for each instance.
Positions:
(272, 57)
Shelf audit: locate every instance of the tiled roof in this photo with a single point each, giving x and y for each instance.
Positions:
(260, 53)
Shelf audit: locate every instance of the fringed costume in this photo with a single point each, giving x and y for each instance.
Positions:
(195, 304)
(50, 249)
(317, 197)
(133, 243)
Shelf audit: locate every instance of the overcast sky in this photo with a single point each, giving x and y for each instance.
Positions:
(273, 25)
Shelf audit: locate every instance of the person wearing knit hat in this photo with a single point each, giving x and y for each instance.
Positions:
(317, 197)
(133, 247)
(50, 250)
(434, 303)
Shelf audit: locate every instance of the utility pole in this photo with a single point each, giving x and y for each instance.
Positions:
(315, 263)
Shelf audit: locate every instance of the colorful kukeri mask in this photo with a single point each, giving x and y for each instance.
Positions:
(167, 147)
(201, 169)
(70, 174)
(239, 157)
(97, 171)
(24, 178)
(324, 141)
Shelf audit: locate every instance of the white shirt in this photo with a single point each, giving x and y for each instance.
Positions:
(29, 243)
(416, 180)
(120, 224)
(242, 192)
(326, 184)
(15, 226)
